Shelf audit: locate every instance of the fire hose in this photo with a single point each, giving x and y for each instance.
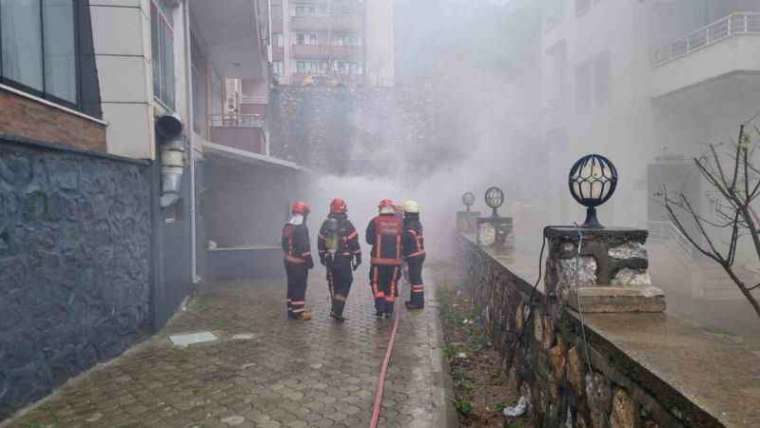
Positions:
(381, 379)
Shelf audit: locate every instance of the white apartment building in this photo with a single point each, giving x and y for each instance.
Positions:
(640, 81)
(336, 41)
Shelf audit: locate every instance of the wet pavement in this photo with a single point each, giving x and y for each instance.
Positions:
(263, 370)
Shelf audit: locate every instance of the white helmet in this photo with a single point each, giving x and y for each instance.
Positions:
(411, 207)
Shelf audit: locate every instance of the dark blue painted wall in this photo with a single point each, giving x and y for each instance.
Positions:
(75, 265)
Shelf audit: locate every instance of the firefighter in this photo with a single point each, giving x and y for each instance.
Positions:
(384, 233)
(340, 253)
(298, 260)
(414, 254)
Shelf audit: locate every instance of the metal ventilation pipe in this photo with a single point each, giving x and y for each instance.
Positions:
(172, 155)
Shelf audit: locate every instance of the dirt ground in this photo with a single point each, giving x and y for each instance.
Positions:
(481, 386)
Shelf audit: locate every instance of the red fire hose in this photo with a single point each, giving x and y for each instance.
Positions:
(381, 379)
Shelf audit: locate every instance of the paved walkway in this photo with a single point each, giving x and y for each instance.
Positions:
(264, 371)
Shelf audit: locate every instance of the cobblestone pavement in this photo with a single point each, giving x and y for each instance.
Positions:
(264, 370)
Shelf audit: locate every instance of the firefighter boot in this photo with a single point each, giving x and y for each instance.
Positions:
(337, 310)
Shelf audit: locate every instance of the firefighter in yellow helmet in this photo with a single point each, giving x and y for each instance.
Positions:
(414, 254)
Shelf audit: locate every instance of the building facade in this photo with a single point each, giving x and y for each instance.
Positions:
(119, 164)
(332, 41)
(642, 81)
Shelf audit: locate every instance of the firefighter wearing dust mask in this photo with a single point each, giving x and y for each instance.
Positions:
(340, 253)
(298, 260)
(414, 254)
(384, 233)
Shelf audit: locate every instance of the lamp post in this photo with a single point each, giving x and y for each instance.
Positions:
(593, 268)
(467, 220)
(493, 231)
(468, 199)
(592, 181)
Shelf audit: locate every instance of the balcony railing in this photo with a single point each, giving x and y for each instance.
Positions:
(252, 99)
(722, 29)
(319, 23)
(236, 120)
(325, 51)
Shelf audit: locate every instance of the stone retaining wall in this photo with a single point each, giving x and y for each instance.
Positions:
(75, 258)
(567, 383)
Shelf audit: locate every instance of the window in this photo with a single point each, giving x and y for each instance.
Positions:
(162, 43)
(306, 38)
(347, 67)
(583, 88)
(279, 40)
(277, 68)
(602, 79)
(592, 83)
(347, 39)
(199, 78)
(311, 67)
(582, 6)
(39, 48)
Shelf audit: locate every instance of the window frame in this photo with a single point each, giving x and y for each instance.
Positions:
(77, 104)
(168, 21)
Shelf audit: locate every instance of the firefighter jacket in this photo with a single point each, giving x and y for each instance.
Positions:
(295, 243)
(384, 233)
(339, 237)
(413, 240)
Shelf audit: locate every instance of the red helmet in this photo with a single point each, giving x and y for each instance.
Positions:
(386, 206)
(338, 206)
(300, 208)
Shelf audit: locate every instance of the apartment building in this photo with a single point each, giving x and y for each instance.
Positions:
(118, 165)
(332, 42)
(641, 82)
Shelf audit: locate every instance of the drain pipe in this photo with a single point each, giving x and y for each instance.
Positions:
(172, 148)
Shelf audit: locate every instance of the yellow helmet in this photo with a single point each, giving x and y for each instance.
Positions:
(411, 207)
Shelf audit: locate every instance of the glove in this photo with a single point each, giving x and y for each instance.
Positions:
(357, 261)
(322, 259)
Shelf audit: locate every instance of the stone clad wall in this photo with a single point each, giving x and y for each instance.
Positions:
(75, 258)
(545, 356)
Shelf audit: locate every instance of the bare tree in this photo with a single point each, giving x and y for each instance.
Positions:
(737, 182)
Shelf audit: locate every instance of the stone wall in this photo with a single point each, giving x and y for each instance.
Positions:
(75, 264)
(571, 375)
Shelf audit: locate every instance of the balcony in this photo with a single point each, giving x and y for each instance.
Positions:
(326, 51)
(324, 23)
(239, 131)
(724, 48)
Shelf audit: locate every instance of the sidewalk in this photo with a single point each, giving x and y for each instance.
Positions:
(264, 371)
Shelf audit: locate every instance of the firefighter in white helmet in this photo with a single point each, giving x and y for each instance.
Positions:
(414, 254)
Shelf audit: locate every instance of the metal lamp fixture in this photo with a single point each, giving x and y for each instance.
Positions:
(492, 231)
(592, 181)
(494, 199)
(468, 199)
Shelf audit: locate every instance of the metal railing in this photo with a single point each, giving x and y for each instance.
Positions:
(236, 120)
(722, 29)
(253, 99)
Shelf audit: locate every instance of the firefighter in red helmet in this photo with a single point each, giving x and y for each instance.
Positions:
(298, 260)
(340, 253)
(384, 233)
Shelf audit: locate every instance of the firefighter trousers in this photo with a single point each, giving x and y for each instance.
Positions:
(417, 287)
(298, 275)
(339, 279)
(384, 281)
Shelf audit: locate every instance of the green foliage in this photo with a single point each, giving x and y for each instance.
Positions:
(463, 406)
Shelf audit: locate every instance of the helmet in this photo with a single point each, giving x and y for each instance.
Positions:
(386, 206)
(300, 208)
(411, 207)
(338, 206)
